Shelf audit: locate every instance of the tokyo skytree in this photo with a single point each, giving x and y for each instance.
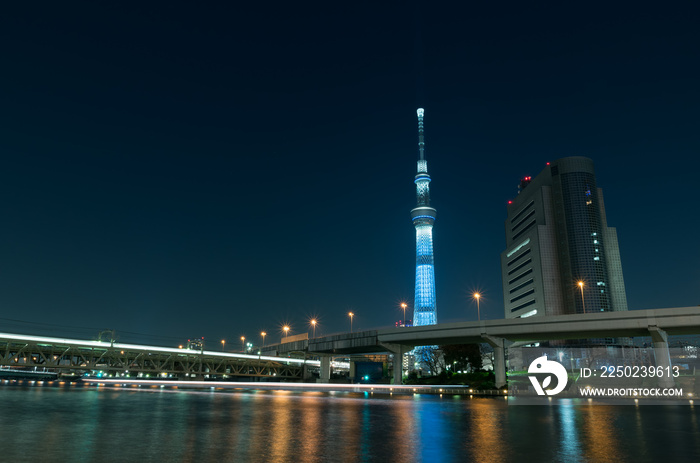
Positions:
(423, 216)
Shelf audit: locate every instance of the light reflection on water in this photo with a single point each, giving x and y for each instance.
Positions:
(125, 424)
(569, 444)
(486, 438)
(599, 435)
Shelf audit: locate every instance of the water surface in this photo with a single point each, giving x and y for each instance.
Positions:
(86, 424)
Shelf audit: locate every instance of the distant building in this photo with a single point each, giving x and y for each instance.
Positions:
(561, 257)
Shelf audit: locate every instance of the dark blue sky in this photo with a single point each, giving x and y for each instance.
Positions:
(187, 169)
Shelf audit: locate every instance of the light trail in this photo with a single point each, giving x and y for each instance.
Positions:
(172, 350)
(282, 386)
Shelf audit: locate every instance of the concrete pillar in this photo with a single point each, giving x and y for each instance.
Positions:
(325, 369)
(398, 365)
(351, 373)
(499, 358)
(305, 373)
(398, 350)
(662, 356)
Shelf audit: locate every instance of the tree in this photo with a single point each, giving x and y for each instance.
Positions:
(465, 357)
(434, 359)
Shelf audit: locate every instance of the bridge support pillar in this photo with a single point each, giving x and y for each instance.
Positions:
(398, 365)
(398, 350)
(662, 356)
(325, 369)
(499, 358)
(305, 373)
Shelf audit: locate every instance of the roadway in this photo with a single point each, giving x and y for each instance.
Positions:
(657, 323)
(633, 323)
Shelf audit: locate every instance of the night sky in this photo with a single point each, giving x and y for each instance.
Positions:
(187, 169)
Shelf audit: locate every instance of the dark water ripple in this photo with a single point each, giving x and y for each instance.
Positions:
(88, 424)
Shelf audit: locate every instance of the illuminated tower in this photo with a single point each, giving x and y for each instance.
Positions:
(423, 216)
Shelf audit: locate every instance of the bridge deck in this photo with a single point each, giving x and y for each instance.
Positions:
(21, 351)
(674, 321)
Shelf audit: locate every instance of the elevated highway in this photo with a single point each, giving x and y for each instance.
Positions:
(657, 323)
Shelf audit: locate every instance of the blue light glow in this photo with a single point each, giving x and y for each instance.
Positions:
(423, 217)
(424, 308)
(423, 191)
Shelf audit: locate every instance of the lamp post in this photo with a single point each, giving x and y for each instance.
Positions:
(223, 343)
(583, 303)
(477, 296)
(351, 315)
(243, 343)
(403, 306)
(263, 334)
(313, 323)
(286, 331)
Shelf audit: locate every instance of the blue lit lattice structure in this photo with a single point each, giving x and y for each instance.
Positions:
(423, 216)
(425, 312)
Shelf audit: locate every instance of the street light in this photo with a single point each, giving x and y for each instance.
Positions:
(351, 315)
(313, 323)
(403, 306)
(243, 343)
(477, 296)
(286, 331)
(263, 334)
(223, 343)
(583, 303)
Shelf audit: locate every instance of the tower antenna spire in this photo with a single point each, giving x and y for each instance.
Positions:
(421, 138)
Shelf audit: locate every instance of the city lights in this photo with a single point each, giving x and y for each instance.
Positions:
(477, 298)
(583, 303)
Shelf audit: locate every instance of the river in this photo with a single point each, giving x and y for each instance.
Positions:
(75, 423)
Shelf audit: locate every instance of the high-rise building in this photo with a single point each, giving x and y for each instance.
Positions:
(423, 216)
(561, 257)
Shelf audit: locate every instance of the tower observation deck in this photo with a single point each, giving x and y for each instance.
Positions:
(423, 216)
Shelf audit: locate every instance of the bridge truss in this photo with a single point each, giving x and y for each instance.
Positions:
(21, 351)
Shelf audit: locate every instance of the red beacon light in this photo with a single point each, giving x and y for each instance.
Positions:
(547, 163)
(510, 201)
